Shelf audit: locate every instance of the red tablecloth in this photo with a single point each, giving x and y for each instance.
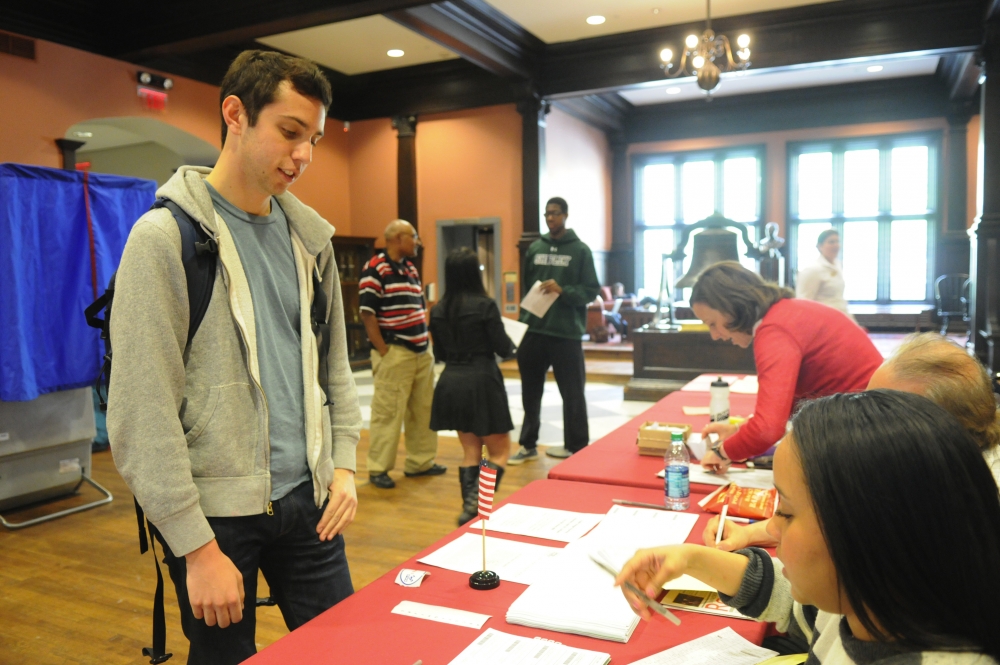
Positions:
(615, 460)
(362, 630)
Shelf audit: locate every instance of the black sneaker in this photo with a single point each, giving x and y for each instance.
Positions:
(523, 455)
(433, 470)
(559, 452)
(381, 480)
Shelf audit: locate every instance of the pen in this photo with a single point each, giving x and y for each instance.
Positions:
(740, 520)
(638, 504)
(722, 521)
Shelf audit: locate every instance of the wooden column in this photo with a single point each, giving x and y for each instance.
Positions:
(406, 173)
(985, 254)
(952, 254)
(621, 263)
(533, 111)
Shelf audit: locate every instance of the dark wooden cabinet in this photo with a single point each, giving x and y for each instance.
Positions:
(351, 254)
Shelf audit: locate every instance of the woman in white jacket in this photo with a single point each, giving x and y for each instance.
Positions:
(823, 280)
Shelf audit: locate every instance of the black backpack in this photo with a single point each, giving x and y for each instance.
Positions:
(199, 254)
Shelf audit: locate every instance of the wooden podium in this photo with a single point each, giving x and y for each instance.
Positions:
(664, 361)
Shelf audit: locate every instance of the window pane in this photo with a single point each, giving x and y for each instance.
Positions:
(699, 190)
(740, 189)
(861, 179)
(860, 258)
(815, 185)
(908, 260)
(658, 194)
(808, 235)
(909, 180)
(655, 243)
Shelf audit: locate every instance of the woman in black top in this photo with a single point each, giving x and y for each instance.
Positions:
(470, 396)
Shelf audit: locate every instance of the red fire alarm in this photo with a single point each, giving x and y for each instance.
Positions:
(155, 100)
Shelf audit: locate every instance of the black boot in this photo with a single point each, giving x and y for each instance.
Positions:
(468, 478)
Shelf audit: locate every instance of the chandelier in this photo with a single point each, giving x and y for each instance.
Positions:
(707, 56)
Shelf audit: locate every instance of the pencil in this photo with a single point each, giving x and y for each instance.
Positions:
(722, 521)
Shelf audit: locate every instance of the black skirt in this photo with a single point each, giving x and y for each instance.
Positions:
(470, 397)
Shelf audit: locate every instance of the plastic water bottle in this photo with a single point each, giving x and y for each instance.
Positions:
(718, 404)
(676, 464)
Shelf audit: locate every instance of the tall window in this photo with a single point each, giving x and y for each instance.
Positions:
(679, 189)
(881, 195)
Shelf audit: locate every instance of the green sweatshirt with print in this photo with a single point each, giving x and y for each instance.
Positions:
(570, 263)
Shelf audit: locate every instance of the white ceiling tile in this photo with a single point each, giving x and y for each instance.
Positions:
(360, 45)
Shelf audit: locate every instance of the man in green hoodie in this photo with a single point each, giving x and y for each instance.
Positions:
(564, 265)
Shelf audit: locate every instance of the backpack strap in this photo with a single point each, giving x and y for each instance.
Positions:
(155, 653)
(321, 329)
(198, 254)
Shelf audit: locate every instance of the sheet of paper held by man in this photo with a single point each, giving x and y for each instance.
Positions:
(561, 525)
(536, 302)
(723, 647)
(512, 560)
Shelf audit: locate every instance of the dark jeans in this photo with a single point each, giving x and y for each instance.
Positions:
(306, 576)
(534, 357)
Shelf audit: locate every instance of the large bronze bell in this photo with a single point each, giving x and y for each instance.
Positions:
(710, 246)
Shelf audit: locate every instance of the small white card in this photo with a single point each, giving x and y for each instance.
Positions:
(410, 578)
(441, 614)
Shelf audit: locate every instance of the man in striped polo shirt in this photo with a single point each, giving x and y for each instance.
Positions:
(392, 309)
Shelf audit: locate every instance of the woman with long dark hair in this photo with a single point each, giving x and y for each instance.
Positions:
(470, 396)
(888, 532)
(802, 350)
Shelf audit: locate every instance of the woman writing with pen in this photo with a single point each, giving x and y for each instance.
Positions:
(845, 474)
(802, 350)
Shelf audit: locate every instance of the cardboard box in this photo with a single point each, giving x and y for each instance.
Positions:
(653, 439)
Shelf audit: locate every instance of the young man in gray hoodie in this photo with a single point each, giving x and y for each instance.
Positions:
(240, 453)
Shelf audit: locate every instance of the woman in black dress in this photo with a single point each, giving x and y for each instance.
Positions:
(470, 396)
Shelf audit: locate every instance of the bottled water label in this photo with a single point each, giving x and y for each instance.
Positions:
(719, 416)
(678, 485)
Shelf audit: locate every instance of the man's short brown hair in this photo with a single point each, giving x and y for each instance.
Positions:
(255, 76)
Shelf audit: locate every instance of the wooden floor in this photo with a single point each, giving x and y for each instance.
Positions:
(75, 590)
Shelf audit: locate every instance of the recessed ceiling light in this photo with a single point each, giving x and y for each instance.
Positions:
(875, 68)
(595, 20)
(673, 91)
(395, 53)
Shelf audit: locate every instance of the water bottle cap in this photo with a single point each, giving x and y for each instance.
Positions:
(719, 383)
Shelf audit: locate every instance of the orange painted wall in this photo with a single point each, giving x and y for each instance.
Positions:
(41, 99)
(578, 168)
(776, 159)
(469, 165)
(371, 150)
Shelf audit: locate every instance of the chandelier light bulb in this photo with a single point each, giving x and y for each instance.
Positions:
(743, 41)
(744, 54)
(691, 41)
(666, 55)
(698, 62)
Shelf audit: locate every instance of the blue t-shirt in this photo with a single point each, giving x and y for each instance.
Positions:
(265, 248)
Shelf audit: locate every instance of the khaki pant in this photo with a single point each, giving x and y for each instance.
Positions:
(404, 389)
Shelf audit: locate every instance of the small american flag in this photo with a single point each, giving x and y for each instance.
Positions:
(487, 483)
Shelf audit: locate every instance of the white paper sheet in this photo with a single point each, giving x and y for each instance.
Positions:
(536, 302)
(702, 383)
(687, 583)
(745, 386)
(513, 561)
(561, 525)
(496, 648)
(441, 614)
(723, 647)
(514, 329)
(695, 410)
(760, 478)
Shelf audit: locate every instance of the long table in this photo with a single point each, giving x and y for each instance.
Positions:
(362, 629)
(615, 460)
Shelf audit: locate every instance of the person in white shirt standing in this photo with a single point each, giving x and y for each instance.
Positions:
(823, 280)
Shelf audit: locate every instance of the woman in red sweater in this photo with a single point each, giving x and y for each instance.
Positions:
(802, 350)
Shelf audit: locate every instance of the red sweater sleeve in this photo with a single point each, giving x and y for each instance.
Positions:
(778, 358)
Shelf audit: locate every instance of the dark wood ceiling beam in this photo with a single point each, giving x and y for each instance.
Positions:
(477, 32)
(606, 112)
(960, 74)
(813, 33)
(208, 25)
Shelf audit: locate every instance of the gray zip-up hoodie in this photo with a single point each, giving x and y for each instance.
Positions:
(189, 426)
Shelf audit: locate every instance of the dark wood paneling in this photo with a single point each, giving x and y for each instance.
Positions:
(406, 173)
(870, 101)
(606, 112)
(533, 111)
(685, 355)
(479, 33)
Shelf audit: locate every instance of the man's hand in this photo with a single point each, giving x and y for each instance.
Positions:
(214, 585)
(341, 508)
(550, 286)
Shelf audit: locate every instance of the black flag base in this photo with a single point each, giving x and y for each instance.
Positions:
(484, 580)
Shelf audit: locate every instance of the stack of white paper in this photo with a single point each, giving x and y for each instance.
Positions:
(496, 648)
(575, 595)
(562, 525)
(723, 647)
(512, 560)
(758, 478)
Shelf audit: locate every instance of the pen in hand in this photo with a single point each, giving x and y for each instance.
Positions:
(722, 522)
